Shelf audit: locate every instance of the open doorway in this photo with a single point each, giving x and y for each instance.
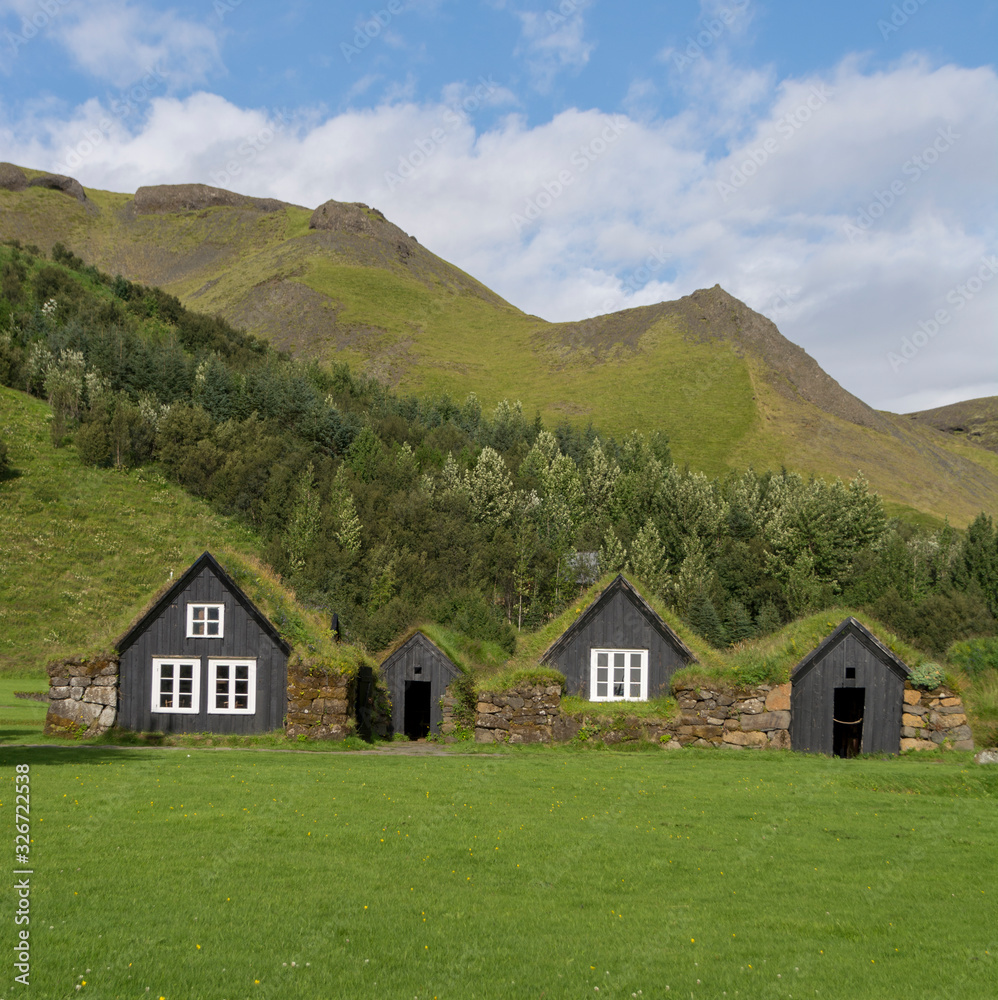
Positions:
(847, 732)
(417, 709)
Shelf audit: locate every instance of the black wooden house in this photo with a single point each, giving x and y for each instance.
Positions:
(416, 675)
(203, 658)
(618, 649)
(846, 695)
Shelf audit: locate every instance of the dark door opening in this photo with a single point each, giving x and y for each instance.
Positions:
(365, 702)
(847, 732)
(417, 709)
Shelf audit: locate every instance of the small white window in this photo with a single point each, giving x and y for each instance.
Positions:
(205, 621)
(176, 686)
(618, 675)
(231, 687)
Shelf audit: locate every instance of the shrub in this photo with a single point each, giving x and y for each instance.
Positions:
(926, 675)
(974, 656)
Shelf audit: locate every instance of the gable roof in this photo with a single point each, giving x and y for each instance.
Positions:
(419, 638)
(862, 634)
(631, 593)
(159, 603)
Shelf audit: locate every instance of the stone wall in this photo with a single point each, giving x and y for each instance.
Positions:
(530, 714)
(319, 704)
(753, 717)
(83, 696)
(931, 718)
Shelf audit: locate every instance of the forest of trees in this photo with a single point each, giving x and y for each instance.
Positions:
(391, 509)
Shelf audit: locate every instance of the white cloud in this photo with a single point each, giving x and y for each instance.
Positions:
(588, 213)
(554, 40)
(119, 42)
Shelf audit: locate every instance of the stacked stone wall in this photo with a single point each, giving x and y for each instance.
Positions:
(934, 718)
(83, 696)
(755, 717)
(529, 714)
(319, 704)
(741, 718)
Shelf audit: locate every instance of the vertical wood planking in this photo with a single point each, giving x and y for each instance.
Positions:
(165, 635)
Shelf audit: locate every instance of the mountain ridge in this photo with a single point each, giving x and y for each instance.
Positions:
(341, 282)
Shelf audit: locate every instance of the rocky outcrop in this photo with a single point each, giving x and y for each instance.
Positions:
(158, 199)
(83, 696)
(60, 182)
(357, 218)
(12, 178)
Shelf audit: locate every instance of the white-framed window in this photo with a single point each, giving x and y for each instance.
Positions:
(205, 621)
(618, 675)
(232, 687)
(176, 685)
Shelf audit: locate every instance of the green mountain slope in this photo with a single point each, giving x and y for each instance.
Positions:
(82, 550)
(343, 282)
(974, 420)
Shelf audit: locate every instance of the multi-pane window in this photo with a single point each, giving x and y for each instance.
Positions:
(618, 675)
(176, 685)
(231, 687)
(205, 621)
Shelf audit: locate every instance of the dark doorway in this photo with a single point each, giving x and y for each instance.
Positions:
(847, 732)
(365, 702)
(417, 709)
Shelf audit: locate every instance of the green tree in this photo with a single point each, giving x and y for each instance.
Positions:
(303, 519)
(612, 554)
(704, 620)
(490, 488)
(647, 559)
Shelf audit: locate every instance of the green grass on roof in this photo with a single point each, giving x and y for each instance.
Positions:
(530, 647)
(771, 658)
(464, 652)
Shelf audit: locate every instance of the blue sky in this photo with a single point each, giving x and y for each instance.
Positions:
(833, 165)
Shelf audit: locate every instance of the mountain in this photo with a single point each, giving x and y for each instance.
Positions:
(973, 420)
(343, 282)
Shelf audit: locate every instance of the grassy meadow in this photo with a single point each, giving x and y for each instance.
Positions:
(532, 873)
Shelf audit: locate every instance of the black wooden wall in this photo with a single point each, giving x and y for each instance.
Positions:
(435, 667)
(618, 622)
(164, 634)
(812, 696)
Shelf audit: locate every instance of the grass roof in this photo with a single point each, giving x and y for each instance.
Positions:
(306, 630)
(466, 653)
(770, 659)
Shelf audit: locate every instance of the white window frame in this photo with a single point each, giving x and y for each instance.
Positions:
(231, 662)
(192, 607)
(629, 664)
(157, 679)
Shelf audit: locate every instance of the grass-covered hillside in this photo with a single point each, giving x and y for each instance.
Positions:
(85, 550)
(346, 284)
(974, 420)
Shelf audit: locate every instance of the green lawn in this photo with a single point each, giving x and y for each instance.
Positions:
(193, 873)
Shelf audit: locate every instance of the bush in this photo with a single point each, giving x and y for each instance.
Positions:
(974, 656)
(926, 675)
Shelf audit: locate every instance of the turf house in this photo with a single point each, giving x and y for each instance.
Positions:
(417, 674)
(203, 658)
(847, 695)
(618, 649)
